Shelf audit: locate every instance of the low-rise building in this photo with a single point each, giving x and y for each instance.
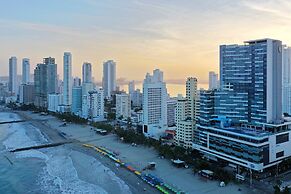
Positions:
(54, 100)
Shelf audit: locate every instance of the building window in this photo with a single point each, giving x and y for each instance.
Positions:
(280, 154)
(282, 138)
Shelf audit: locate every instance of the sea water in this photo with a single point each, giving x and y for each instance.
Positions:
(51, 170)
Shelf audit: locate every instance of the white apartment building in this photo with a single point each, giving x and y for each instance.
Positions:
(181, 109)
(93, 105)
(154, 104)
(54, 101)
(123, 106)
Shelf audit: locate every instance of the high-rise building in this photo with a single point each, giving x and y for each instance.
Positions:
(154, 104)
(123, 106)
(171, 108)
(186, 114)
(260, 76)
(131, 87)
(13, 76)
(109, 78)
(87, 72)
(192, 97)
(286, 80)
(93, 105)
(67, 93)
(77, 82)
(181, 109)
(241, 123)
(213, 80)
(51, 75)
(136, 98)
(45, 81)
(25, 71)
(77, 100)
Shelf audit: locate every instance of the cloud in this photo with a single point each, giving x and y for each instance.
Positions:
(55, 29)
(279, 8)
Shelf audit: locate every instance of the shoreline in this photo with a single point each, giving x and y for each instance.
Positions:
(53, 135)
(137, 156)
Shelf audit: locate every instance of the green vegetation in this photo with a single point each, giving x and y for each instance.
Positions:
(69, 117)
(103, 125)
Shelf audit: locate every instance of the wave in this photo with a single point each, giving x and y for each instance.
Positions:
(60, 176)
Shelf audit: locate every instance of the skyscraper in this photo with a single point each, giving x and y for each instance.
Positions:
(25, 71)
(13, 76)
(109, 78)
(213, 80)
(67, 93)
(45, 81)
(255, 68)
(241, 122)
(51, 75)
(154, 104)
(131, 87)
(286, 80)
(87, 72)
(191, 96)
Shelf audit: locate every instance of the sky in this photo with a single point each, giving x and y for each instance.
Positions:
(180, 37)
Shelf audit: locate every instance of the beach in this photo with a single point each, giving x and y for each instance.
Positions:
(138, 157)
(69, 168)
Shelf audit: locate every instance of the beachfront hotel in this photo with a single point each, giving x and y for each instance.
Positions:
(242, 122)
(154, 104)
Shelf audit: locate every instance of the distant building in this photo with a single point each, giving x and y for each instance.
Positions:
(136, 98)
(13, 76)
(54, 101)
(154, 104)
(131, 87)
(67, 93)
(109, 78)
(213, 80)
(87, 73)
(25, 71)
(171, 106)
(26, 94)
(77, 82)
(123, 106)
(77, 100)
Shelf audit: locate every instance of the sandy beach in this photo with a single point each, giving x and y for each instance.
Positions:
(138, 157)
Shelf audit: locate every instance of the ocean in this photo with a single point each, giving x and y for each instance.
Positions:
(50, 170)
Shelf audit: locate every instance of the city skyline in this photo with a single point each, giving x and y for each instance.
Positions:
(140, 36)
